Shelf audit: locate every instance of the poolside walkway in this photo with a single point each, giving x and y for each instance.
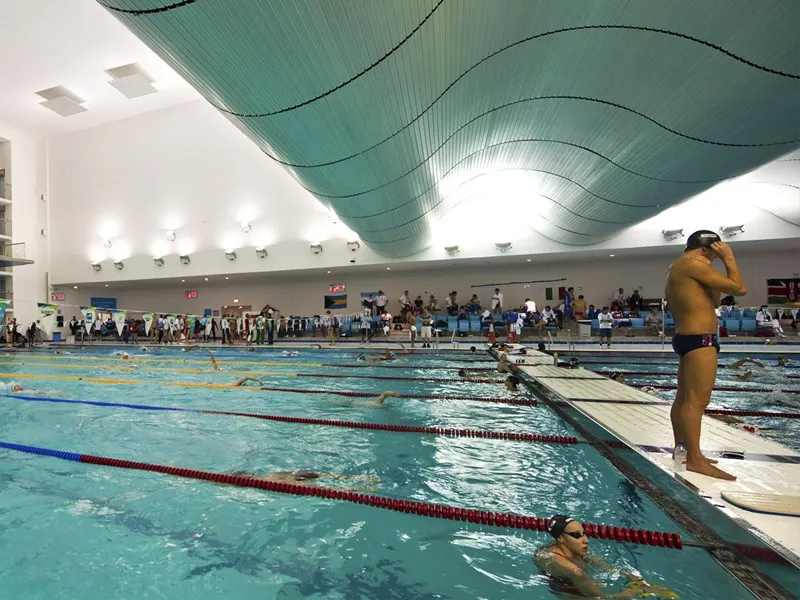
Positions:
(643, 422)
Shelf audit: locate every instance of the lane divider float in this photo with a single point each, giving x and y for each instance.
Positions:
(350, 394)
(441, 431)
(398, 378)
(424, 509)
(751, 413)
(659, 386)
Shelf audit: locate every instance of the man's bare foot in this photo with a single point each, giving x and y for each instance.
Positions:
(705, 468)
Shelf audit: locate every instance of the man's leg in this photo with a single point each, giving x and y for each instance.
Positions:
(677, 406)
(699, 371)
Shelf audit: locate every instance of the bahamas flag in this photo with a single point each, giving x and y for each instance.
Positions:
(783, 291)
(334, 302)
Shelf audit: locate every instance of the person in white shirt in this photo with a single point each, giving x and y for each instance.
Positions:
(366, 324)
(386, 323)
(619, 298)
(226, 332)
(765, 321)
(606, 323)
(497, 301)
(530, 306)
(427, 321)
(261, 323)
(451, 303)
(381, 302)
(549, 315)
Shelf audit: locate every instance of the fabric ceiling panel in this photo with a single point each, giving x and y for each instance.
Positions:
(394, 112)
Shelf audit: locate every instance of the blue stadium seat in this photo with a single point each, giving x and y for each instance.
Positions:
(452, 323)
(668, 320)
(748, 314)
(637, 323)
(735, 314)
(596, 323)
(748, 324)
(463, 326)
(474, 324)
(733, 324)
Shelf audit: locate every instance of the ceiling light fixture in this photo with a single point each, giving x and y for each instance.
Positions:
(246, 228)
(452, 250)
(118, 265)
(503, 246)
(230, 255)
(131, 81)
(183, 281)
(97, 266)
(62, 101)
(611, 255)
(529, 260)
(226, 277)
(106, 285)
(206, 278)
(171, 236)
(329, 272)
(672, 234)
(353, 245)
(388, 268)
(316, 248)
(107, 244)
(261, 252)
(236, 301)
(732, 230)
(158, 261)
(74, 287)
(185, 259)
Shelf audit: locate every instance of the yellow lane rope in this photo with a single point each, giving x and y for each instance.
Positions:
(179, 360)
(135, 367)
(226, 386)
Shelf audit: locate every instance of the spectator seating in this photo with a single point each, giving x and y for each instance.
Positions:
(733, 325)
(749, 324)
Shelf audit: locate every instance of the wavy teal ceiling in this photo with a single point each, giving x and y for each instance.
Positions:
(389, 110)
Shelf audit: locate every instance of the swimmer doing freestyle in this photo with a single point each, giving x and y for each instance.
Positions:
(693, 290)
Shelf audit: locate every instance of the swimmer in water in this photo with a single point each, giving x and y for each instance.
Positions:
(503, 366)
(617, 376)
(404, 350)
(290, 353)
(317, 347)
(387, 355)
(243, 380)
(12, 386)
(473, 350)
(567, 560)
(379, 401)
(783, 361)
(187, 348)
(511, 383)
(58, 351)
(746, 376)
(736, 364)
(309, 478)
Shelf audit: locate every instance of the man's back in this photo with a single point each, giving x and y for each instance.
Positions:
(691, 303)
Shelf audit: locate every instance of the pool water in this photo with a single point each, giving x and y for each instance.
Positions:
(748, 395)
(73, 530)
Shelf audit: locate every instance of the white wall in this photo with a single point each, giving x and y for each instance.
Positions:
(187, 168)
(29, 217)
(598, 278)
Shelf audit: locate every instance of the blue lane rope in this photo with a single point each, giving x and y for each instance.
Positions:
(98, 403)
(73, 456)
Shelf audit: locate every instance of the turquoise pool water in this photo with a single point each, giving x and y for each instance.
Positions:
(747, 395)
(71, 530)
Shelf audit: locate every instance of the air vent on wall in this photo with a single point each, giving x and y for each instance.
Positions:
(61, 101)
(131, 81)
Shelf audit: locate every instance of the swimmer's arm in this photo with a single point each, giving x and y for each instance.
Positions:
(382, 398)
(560, 567)
(599, 563)
(709, 277)
(213, 361)
(340, 477)
(243, 380)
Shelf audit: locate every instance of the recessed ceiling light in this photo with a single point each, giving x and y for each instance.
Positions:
(227, 277)
(529, 260)
(106, 285)
(75, 287)
(183, 281)
(388, 268)
(329, 272)
(611, 256)
(206, 278)
(236, 300)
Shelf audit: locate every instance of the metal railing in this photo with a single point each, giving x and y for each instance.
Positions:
(5, 190)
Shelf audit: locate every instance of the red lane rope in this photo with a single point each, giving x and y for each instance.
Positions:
(716, 389)
(350, 394)
(406, 366)
(474, 433)
(394, 378)
(751, 413)
(670, 373)
(424, 509)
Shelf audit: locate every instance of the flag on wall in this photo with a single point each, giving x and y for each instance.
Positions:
(782, 291)
(119, 319)
(148, 322)
(336, 302)
(89, 315)
(47, 316)
(548, 293)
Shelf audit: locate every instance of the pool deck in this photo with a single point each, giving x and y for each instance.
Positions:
(643, 422)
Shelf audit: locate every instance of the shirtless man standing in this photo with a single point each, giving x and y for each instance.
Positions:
(693, 291)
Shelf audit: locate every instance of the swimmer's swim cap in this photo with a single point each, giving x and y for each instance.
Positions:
(558, 523)
(702, 239)
(513, 379)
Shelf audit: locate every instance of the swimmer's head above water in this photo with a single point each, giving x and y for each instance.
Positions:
(617, 376)
(511, 383)
(569, 535)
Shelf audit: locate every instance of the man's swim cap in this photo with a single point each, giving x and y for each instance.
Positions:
(702, 239)
(558, 523)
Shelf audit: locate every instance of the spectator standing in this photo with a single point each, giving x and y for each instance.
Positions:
(366, 324)
(569, 304)
(635, 302)
(419, 304)
(620, 298)
(427, 321)
(405, 305)
(381, 301)
(497, 301)
(369, 304)
(224, 327)
(475, 304)
(433, 304)
(451, 303)
(606, 320)
(580, 307)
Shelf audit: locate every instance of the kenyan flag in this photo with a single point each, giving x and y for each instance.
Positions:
(782, 291)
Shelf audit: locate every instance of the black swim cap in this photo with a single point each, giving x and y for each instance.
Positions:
(513, 379)
(702, 239)
(614, 374)
(558, 523)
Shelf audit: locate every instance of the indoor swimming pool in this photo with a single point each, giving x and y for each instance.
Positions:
(71, 529)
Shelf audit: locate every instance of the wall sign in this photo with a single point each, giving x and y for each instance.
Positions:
(336, 287)
(190, 294)
(59, 297)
